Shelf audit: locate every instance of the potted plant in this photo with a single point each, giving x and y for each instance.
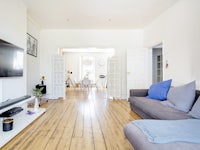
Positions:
(37, 93)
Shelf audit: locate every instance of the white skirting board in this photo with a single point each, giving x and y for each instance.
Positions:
(21, 121)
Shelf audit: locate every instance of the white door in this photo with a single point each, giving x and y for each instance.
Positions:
(138, 69)
(58, 76)
(114, 78)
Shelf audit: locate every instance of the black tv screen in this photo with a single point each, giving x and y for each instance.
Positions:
(11, 60)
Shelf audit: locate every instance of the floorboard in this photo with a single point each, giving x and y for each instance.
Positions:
(86, 120)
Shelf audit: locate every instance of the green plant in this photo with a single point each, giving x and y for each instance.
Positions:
(38, 91)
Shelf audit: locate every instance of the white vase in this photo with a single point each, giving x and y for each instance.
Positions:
(36, 105)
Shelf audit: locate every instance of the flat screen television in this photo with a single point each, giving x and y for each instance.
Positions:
(11, 60)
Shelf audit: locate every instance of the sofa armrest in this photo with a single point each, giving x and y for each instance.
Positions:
(139, 92)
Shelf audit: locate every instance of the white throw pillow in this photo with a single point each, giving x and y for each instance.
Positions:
(195, 112)
(182, 97)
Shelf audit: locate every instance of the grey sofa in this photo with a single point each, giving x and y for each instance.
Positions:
(153, 109)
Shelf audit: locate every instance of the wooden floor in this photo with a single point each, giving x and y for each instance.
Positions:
(84, 121)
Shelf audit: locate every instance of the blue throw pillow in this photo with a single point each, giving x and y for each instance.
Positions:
(159, 90)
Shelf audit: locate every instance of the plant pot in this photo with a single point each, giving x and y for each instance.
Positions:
(36, 105)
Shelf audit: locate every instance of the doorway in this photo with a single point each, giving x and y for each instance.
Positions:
(90, 63)
(157, 64)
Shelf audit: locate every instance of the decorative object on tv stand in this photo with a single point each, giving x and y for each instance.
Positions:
(37, 94)
(8, 124)
(31, 45)
(42, 80)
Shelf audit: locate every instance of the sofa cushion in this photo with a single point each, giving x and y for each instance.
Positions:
(195, 112)
(182, 97)
(156, 110)
(159, 90)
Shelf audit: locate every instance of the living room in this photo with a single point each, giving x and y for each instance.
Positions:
(176, 27)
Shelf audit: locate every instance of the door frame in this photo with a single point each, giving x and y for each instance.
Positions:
(157, 50)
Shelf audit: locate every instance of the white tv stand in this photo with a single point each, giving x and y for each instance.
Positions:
(21, 120)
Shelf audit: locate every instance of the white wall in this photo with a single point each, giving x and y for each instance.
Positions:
(13, 30)
(179, 30)
(120, 40)
(33, 63)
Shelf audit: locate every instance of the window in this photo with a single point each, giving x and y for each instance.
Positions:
(88, 67)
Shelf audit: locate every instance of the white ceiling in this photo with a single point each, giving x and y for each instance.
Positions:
(95, 14)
